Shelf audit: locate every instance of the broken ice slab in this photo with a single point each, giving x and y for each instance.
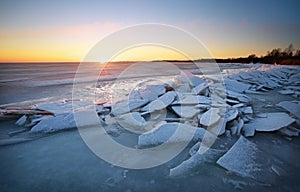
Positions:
(161, 103)
(246, 160)
(188, 99)
(123, 107)
(289, 132)
(232, 101)
(238, 105)
(188, 79)
(253, 92)
(56, 107)
(67, 121)
(236, 86)
(12, 141)
(181, 84)
(196, 160)
(286, 92)
(238, 96)
(291, 106)
(52, 124)
(200, 89)
(231, 114)
(133, 122)
(272, 122)
(210, 117)
(193, 80)
(185, 111)
(22, 120)
(261, 115)
(152, 92)
(171, 133)
(240, 126)
(247, 110)
(248, 131)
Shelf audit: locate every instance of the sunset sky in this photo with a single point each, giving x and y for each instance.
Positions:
(66, 30)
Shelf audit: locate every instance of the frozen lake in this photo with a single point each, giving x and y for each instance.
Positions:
(62, 161)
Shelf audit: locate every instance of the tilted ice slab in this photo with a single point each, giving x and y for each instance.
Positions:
(200, 88)
(56, 107)
(152, 92)
(186, 111)
(246, 160)
(272, 122)
(189, 99)
(197, 159)
(66, 121)
(193, 80)
(210, 117)
(291, 106)
(236, 86)
(161, 103)
(238, 96)
(123, 107)
(166, 133)
(132, 121)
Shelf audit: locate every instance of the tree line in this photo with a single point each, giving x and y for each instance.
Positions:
(287, 56)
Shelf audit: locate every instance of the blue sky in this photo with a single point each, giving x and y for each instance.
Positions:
(228, 28)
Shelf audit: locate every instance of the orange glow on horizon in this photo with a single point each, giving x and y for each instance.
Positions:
(72, 43)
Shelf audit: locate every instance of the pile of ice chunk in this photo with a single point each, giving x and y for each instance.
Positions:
(194, 105)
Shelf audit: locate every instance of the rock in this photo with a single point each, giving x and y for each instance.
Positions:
(292, 107)
(273, 122)
(246, 160)
(210, 117)
(166, 132)
(185, 111)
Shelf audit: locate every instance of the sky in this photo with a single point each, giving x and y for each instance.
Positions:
(66, 30)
